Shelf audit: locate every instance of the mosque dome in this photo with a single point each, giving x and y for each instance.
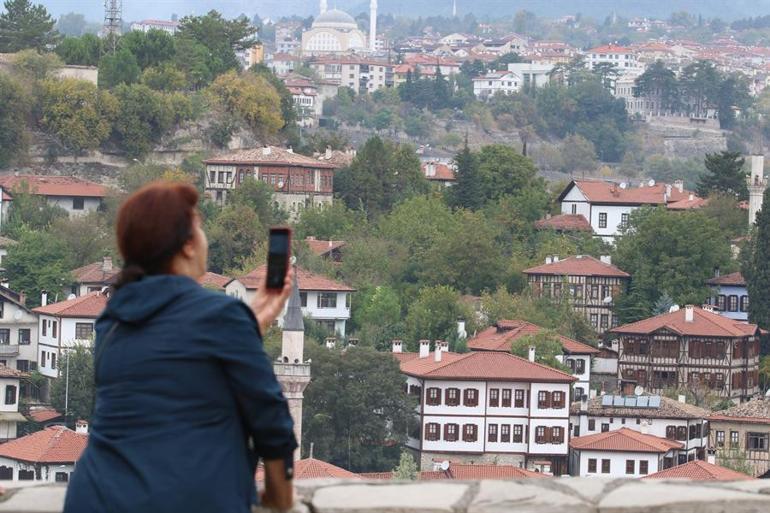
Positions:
(336, 19)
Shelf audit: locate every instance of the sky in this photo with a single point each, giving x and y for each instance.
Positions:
(163, 9)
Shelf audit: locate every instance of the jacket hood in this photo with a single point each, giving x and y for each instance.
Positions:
(138, 302)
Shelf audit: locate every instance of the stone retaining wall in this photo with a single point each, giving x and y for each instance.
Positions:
(572, 495)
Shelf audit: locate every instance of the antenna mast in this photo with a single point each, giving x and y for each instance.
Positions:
(113, 20)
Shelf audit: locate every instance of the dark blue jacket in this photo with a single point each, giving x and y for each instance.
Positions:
(182, 383)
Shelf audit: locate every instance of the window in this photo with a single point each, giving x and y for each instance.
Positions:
(605, 321)
(62, 477)
(595, 320)
(721, 302)
(720, 438)
(630, 467)
(470, 433)
(53, 360)
(5, 336)
(451, 432)
(492, 433)
(83, 330)
(494, 397)
(623, 220)
(557, 435)
(22, 365)
(45, 325)
(433, 397)
(53, 328)
(605, 466)
(26, 475)
(327, 300)
(518, 434)
(574, 209)
(602, 220)
(505, 433)
(78, 203)
(592, 465)
(543, 399)
(643, 467)
(681, 433)
(24, 336)
(506, 398)
(540, 435)
(518, 398)
(580, 366)
(744, 303)
(10, 394)
(732, 304)
(558, 400)
(734, 439)
(431, 431)
(452, 397)
(6, 473)
(470, 397)
(605, 427)
(756, 441)
(303, 299)
(591, 425)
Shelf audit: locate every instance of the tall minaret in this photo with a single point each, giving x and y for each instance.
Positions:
(454, 8)
(323, 6)
(373, 25)
(291, 370)
(757, 184)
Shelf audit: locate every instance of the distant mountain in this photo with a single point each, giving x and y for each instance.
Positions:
(138, 9)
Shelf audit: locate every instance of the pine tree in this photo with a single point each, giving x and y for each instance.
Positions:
(406, 469)
(724, 175)
(467, 191)
(24, 26)
(756, 268)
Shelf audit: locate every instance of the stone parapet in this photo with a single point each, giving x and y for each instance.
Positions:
(576, 495)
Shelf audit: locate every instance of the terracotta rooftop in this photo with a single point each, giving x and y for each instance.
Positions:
(624, 440)
(214, 280)
(579, 265)
(99, 272)
(88, 306)
(565, 223)
(438, 171)
(307, 281)
(483, 365)
(55, 444)
(704, 324)
(42, 414)
(322, 247)
(669, 409)
(478, 472)
(54, 185)
(500, 336)
(311, 468)
(688, 203)
(8, 372)
(270, 156)
(699, 470)
(609, 49)
(6, 242)
(735, 278)
(756, 411)
(601, 192)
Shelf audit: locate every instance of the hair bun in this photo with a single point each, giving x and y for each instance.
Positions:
(129, 274)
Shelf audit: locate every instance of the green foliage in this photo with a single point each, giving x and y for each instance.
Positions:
(71, 24)
(726, 212)
(85, 50)
(165, 77)
(668, 252)
(87, 238)
(547, 346)
(232, 236)
(735, 459)
(406, 469)
(29, 212)
(329, 222)
(24, 25)
(378, 316)
(80, 394)
(257, 196)
(39, 261)
(433, 315)
(31, 65)
(756, 268)
(356, 410)
(251, 99)
(658, 80)
(724, 175)
(13, 118)
(151, 48)
(579, 154)
(467, 191)
(764, 372)
(118, 68)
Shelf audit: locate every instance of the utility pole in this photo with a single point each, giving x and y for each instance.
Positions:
(113, 21)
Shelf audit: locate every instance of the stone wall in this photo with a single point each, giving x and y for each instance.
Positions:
(576, 495)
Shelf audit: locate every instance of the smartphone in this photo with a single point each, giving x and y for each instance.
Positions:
(278, 254)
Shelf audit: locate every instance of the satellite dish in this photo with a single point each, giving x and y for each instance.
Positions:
(280, 184)
(444, 465)
(639, 390)
(651, 183)
(674, 308)
(607, 300)
(71, 296)
(17, 315)
(623, 185)
(767, 394)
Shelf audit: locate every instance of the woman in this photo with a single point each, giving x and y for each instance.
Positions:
(186, 399)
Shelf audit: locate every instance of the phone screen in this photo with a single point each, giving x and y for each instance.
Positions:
(277, 257)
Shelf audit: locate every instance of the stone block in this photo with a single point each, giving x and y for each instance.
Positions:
(423, 497)
(532, 496)
(34, 499)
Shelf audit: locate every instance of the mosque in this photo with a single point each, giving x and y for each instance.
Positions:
(336, 32)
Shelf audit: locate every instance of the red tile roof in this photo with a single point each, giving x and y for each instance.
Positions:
(322, 247)
(270, 156)
(88, 306)
(438, 172)
(688, 203)
(8, 372)
(565, 223)
(483, 365)
(500, 336)
(478, 472)
(41, 414)
(624, 440)
(405, 357)
(756, 411)
(54, 185)
(609, 49)
(704, 324)
(735, 278)
(601, 192)
(579, 265)
(306, 280)
(699, 470)
(311, 468)
(97, 272)
(55, 444)
(214, 280)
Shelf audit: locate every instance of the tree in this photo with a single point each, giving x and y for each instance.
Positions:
(233, 235)
(118, 68)
(24, 25)
(250, 98)
(756, 268)
(433, 315)
(503, 171)
(38, 262)
(668, 252)
(87, 238)
(579, 154)
(150, 48)
(548, 348)
(764, 372)
(165, 77)
(700, 85)
(356, 409)
(733, 94)
(378, 317)
(71, 24)
(77, 113)
(725, 175)
(30, 65)
(85, 50)
(29, 212)
(329, 222)
(658, 81)
(467, 191)
(13, 119)
(607, 73)
(257, 196)
(406, 469)
(143, 117)
(78, 387)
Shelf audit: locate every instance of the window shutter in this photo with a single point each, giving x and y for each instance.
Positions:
(548, 399)
(446, 432)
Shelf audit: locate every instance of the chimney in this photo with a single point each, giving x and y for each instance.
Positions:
(81, 426)
(443, 345)
(328, 154)
(107, 263)
(424, 348)
(711, 457)
(679, 184)
(555, 258)
(532, 354)
(691, 197)
(398, 346)
(44, 298)
(290, 150)
(331, 342)
(583, 403)
(682, 398)
(461, 333)
(22, 298)
(668, 191)
(437, 353)
(689, 313)
(5, 284)
(548, 259)
(266, 150)
(606, 259)
(592, 393)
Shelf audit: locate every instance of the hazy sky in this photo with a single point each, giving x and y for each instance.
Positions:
(138, 9)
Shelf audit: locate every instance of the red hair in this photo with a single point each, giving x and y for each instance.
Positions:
(153, 225)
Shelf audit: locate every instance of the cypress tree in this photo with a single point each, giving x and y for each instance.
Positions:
(467, 190)
(756, 268)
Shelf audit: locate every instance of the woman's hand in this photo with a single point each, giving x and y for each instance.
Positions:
(268, 303)
(279, 492)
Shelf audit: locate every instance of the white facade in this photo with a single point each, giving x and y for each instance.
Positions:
(488, 85)
(168, 26)
(18, 337)
(622, 58)
(732, 300)
(532, 74)
(333, 31)
(75, 205)
(580, 368)
(56, 335)
(48, 472)
(9, 407)
(580, 460)
(606, 220)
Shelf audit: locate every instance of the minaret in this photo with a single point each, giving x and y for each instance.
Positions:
(373, 25)
(454, 8)
(757, 185)
(323, 6)
(291, 370)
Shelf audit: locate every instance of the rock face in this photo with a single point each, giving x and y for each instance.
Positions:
(576, 495)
